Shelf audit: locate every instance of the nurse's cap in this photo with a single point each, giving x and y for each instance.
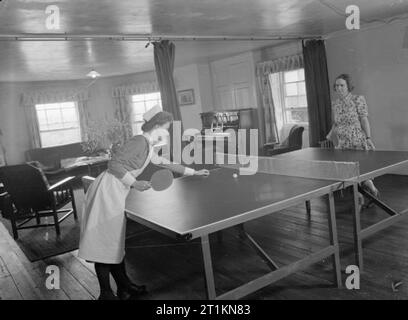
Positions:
(148, 115)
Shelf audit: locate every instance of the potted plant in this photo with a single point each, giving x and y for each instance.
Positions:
(105, 136)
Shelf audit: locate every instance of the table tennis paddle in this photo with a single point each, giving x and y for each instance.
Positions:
(161, 180)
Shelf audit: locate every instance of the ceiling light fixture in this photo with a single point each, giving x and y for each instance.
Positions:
(93, 74)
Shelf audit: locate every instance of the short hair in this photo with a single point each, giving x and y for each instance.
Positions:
(158, 119)
(346, 77)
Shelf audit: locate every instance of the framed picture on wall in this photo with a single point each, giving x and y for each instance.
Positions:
(186, 97)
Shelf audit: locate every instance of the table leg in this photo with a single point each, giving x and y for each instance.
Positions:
(208, 269)
(308, 208)
(334, 240)
(358, 245)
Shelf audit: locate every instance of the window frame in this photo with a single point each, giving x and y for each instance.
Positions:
(59, 104)
(285, 109)
(133, 114)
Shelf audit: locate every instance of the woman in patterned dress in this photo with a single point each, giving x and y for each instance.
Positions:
(103, 223)
(351, 128)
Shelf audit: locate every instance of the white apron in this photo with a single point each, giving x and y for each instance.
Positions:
(103, 224)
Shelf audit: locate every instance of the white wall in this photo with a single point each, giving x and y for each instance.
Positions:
(187, 78)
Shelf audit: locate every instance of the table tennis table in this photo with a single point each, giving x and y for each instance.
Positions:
(195, 207)
(372, 164)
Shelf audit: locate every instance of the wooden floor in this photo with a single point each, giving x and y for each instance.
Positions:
(173, 270)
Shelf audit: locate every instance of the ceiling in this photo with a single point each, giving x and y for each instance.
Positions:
(63, 60)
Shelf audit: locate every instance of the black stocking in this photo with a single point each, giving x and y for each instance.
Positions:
(119, 274)
(102, 273)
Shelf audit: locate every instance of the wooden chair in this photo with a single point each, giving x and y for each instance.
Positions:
(31, 197)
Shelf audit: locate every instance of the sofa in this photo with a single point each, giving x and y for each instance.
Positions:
(49, 160)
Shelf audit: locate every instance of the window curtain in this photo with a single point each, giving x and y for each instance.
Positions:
(31, 99)
(267, 110)
(164, 55)
(267, 73)
(318, 90)
(122, 98)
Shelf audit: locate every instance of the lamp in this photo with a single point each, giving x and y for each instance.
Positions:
(93, 74)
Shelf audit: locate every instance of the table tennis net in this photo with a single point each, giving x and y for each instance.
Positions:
(312, 169)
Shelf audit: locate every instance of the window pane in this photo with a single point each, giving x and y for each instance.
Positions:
(69, 115)
(291, 89)
(137, 128)
(303, 101)
(297, 116)
(301, 88)
(301, 74)
(152, 96)
(150, 104)
(138, 97)
(139, 107)
(42, 119)
(291, 102)
(53, 116)
(140, 104)
(291, 76)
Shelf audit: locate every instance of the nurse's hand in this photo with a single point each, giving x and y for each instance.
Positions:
(141, 185)
(203, 172)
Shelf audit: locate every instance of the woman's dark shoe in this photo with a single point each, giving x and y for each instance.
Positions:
(107, 295)
(133, 291)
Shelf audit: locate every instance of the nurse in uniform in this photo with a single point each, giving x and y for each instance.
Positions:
(103, 224)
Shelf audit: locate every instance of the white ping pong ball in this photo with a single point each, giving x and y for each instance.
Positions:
(235, 175)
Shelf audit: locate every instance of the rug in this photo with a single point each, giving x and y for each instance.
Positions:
(41, 243)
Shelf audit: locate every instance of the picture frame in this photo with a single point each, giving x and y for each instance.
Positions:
(186, 97)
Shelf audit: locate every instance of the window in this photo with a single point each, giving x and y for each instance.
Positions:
(58, 123)
(293, 98)
(140, 104)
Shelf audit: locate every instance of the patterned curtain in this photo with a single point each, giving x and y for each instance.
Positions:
(123, 113)
(268, 110)
(83, 118)
(32, 125)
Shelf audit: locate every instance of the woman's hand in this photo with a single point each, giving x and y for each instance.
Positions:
(370, 144)
(203, 172)
(141, 185)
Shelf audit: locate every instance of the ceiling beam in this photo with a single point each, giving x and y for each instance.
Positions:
(144, 37)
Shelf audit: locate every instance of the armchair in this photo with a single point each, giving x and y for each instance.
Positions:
(31, 196)
(293, 142)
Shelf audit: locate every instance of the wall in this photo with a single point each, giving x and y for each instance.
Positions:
(187, 78)
(12, 119)
(377, 62)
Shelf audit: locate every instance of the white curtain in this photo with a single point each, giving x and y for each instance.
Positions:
(275, 80)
